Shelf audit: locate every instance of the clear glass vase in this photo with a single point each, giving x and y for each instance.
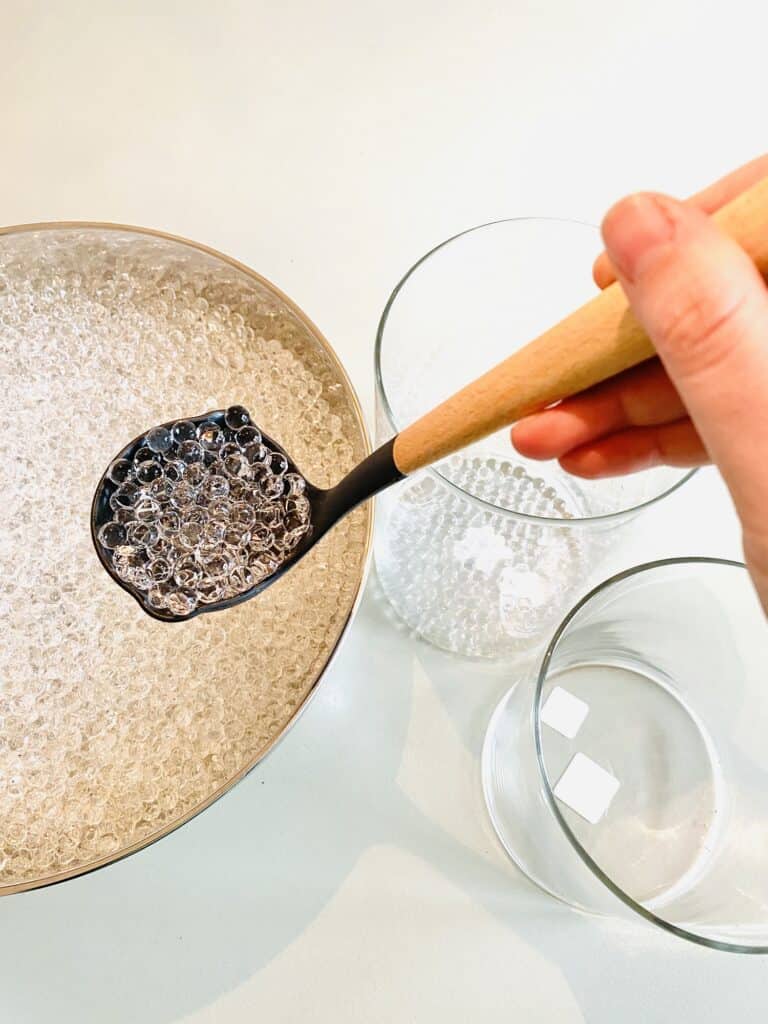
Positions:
(481, 553)
(629, 773)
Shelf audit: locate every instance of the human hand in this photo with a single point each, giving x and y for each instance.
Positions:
(705, 307)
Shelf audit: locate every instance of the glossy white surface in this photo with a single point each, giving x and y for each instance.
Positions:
(354, 876)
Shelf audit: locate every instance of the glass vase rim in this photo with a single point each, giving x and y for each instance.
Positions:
(488, 506)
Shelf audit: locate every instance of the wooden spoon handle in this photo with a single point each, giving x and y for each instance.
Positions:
(599, 340)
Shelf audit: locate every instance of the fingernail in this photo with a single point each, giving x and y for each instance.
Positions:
(634, 229)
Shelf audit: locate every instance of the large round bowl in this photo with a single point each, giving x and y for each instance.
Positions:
(114, 728)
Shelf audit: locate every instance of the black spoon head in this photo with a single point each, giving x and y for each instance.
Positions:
(102, 513)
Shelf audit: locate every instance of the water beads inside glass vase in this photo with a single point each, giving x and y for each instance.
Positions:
(202, 512)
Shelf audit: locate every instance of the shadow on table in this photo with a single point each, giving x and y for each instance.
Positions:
(169, 930)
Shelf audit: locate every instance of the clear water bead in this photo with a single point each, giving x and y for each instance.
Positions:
(237, 465)
(293, 537)
(246, 436)
(160, 490)
(214, 488)
(190, 451)
(294, 522)
(236, 536)
(269, 516)
(175, 470)
(236, 417)
(157, 595)
(257, 454)
(259, 475)
(178, 602)
(190, 535)
(159, 440)
(278, 463)
(218, 566)
(242, 514)
(241, 578)
(130, 565)
(184, 430)
(272, 487)
(188, 572)
(300, 505)
(142, 535)
(213, 534)
(195, 474)
(239, 490)
(219, 509)
(125, 496)
(148, 471)
(112, 535)
(296, 484)
(159, 569)
(143, 454)
(146, 509)
(169, 523)
(209, 591)
(260, 538)
(183, 495)
(119, 471)
(210, 436)
(260, 567)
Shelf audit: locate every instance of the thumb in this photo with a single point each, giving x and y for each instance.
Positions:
(705, 307)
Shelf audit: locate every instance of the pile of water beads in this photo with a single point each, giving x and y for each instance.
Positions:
(202, 512)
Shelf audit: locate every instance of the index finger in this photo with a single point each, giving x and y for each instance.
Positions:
(709, 199)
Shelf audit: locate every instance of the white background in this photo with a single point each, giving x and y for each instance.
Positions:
(354, 876)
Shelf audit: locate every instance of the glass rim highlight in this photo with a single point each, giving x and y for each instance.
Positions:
(482, 503)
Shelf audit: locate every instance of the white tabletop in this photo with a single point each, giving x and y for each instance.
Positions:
(354, 876)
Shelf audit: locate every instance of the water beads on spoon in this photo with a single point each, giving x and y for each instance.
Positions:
(201, 512)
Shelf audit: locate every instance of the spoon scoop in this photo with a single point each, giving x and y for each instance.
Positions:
(201, 514)
(204, 513)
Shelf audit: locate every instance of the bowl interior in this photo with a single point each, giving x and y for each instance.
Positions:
(116, 728)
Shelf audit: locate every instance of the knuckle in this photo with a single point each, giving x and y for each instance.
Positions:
(703, 328)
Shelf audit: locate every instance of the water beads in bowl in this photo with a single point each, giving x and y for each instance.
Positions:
(201, 511)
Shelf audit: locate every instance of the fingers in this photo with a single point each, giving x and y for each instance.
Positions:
(705, 307)
(603, 273)
(724, 189)
(633, 422)
(709, 200)
(671, 444)
(641, 397)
